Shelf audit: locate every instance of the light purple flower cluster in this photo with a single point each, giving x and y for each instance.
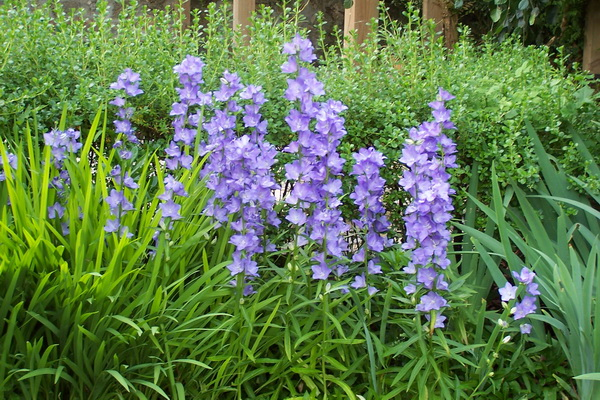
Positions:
(12, 161)
(187, 113)
(527, 305)
(62, 143)
(117, 200)
(373, 223)
(315, 197)
(427, 153)
(239, 172)
(129, 82)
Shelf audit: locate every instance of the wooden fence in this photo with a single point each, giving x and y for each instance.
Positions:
(362, 11)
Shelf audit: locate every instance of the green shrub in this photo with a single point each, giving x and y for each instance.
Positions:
(52, 60)
(387, 82)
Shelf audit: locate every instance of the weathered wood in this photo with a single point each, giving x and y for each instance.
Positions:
(591, 42)
(357, 17)
(446, 21)
(187, 10)
(242, 11)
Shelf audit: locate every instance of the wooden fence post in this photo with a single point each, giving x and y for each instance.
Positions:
(357, 17)
(187, 9)
(242, 11)
(591, 41)
(444, 18)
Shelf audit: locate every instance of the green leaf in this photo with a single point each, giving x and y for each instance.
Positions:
(129, 322)
(496, 14)
(348, 3)
(193, 362)
(534, 13)
(38, 372)
(120, 378)
(152, 386)
(523, 4)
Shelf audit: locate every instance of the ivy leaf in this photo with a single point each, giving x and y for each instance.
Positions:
(348, 3)
(496, 14)
(458, 3)
(523, 4)
(534, 13)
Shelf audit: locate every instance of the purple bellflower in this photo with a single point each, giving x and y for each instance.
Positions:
(62, 144)
(529, 290)
(128, 82)
(316, 172)
(239, 165)
(12, 162)
(367, 195)
(428, 153)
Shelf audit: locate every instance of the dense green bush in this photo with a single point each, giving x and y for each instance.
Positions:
(52, 60)
(498, 87)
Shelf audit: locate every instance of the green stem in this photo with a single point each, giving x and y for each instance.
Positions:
(239, 296)
(488, 348)
(325, 338)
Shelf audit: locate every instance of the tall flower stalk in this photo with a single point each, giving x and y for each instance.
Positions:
(239, 171)
(372, 223)
(62, 144)
(428, 153)
(316, 172)
(118, 201)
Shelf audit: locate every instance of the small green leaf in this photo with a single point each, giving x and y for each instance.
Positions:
(348, 3)
(523, 4)
(496, 14)
(534, 13)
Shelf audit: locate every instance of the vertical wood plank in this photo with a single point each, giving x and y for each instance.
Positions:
(357, 17)
(187, 10)
(446, 21)
(591, 41)
(242, 11)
